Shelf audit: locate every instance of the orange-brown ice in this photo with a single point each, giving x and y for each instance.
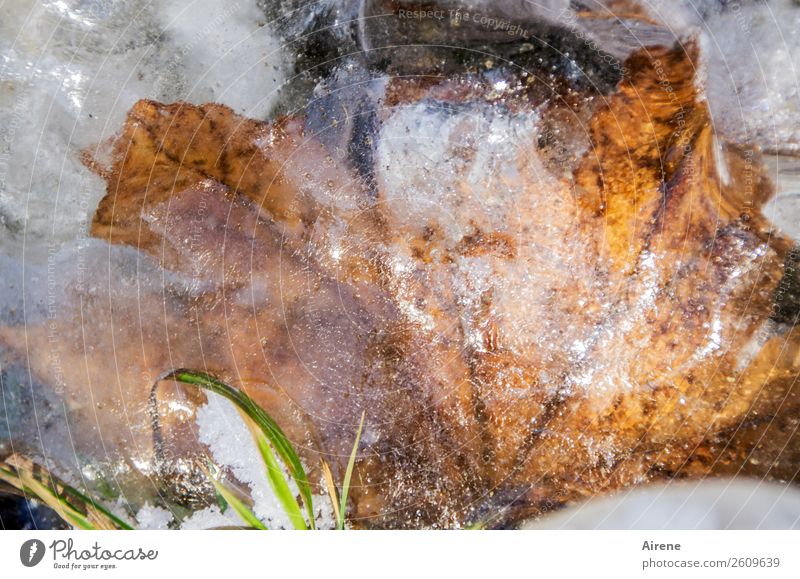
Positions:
(523, 326)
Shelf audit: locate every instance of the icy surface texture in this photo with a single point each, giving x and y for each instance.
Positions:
(708, 505)
(69, 72)
(538, 262)
(750, 71)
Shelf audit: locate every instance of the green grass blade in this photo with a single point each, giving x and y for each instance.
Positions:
(259, 416)
(279, 484)
(101, 511)
(65, 500)
(476, 526)
(33, 488)
(241, 509)
(348, 474)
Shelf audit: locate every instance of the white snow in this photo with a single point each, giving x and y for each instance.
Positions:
(232, 445)
(211, 518)
(152, 518)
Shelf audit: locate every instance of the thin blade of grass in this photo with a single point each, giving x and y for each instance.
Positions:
(33, 488)
(348, 474)
(264, 421)
(279, 484)
(98, 511)
(326, 471)
(476, 526)
(221, 502)
(75, 507)
(238, 506)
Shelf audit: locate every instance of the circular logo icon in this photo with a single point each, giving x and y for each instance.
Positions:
(32, 552)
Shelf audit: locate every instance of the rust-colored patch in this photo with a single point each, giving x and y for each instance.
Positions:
(613, 331)
(480, 243)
